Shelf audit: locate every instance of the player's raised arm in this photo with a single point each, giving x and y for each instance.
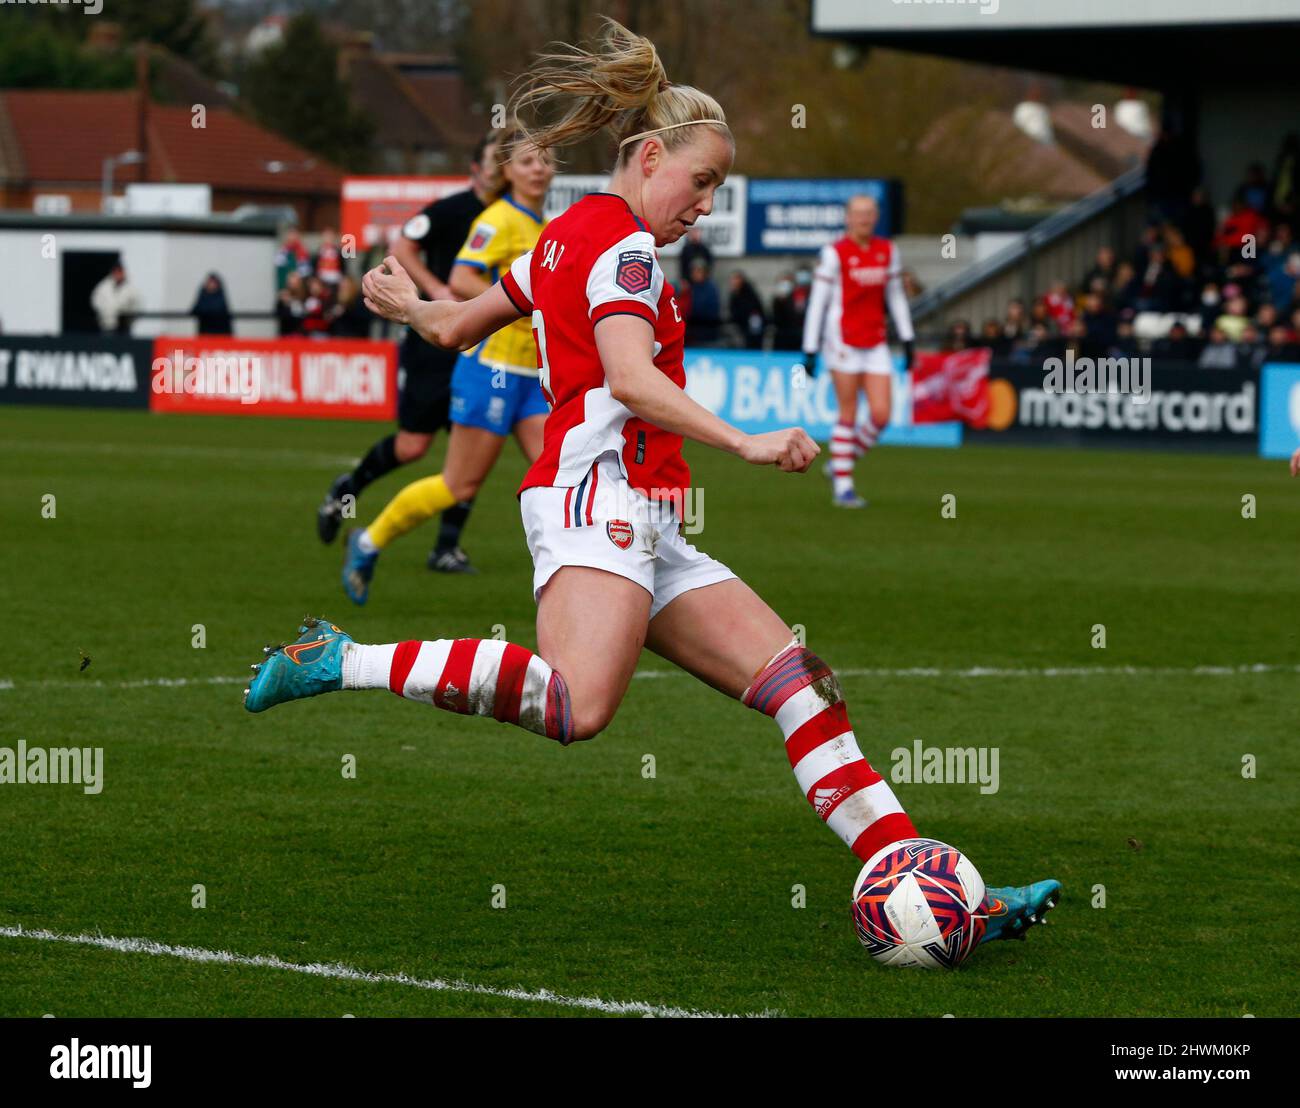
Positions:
(390, 292)
(626, 346)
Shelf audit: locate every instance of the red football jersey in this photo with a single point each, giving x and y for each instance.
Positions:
(858, 276)
(597, 260)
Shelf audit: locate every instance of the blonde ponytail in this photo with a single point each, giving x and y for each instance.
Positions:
(619, 86)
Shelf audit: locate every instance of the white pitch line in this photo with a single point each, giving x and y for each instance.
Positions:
(341, 972)
(10, 685)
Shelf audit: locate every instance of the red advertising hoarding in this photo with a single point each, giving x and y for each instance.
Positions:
(373, 209)
(326, 379)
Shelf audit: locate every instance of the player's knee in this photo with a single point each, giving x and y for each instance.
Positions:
(463, 488)
(880, 416)
(411, 447)
(589, 721)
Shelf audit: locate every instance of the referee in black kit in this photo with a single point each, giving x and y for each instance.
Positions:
(427, 248)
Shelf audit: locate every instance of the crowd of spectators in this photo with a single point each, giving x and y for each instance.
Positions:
(1222, 293)
(314, 297)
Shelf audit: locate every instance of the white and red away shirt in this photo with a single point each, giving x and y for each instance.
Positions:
(597, 260)
(850, 284)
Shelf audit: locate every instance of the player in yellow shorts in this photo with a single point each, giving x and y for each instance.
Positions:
(495, 388)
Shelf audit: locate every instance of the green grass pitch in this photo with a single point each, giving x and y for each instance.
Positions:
(675, 891)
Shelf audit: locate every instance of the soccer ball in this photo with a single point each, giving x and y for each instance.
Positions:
(919, 902)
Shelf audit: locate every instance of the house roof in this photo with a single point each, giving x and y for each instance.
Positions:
(64, 136)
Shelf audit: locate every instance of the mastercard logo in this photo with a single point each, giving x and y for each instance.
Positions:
(1002, 404)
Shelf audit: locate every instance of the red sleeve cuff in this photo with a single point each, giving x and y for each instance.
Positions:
(515, 294)
(623, 307)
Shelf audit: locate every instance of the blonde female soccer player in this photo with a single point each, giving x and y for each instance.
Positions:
(494, 388)
(612, 572)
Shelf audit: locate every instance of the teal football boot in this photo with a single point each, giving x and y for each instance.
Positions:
(358, 568)
(293, 671)
(1012, 911)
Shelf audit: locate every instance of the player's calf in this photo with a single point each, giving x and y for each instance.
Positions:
(799, 691)
(485, 677)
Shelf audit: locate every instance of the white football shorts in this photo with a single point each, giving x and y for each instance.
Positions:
(860, 359)
(605, 524)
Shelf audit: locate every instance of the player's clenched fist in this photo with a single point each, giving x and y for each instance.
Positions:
(791, 449)
(1295, 464)
(389, 291)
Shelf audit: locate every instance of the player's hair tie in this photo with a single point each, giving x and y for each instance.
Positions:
(671, 126)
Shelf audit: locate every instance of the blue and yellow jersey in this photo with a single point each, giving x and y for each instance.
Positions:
(504, 231)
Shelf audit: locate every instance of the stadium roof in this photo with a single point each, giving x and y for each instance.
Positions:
(63, 137)
(1149, 43)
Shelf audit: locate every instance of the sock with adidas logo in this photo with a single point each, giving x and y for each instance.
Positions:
(799, 691)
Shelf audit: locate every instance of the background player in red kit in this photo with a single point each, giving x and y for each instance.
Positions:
(612, 571)
(846, 322)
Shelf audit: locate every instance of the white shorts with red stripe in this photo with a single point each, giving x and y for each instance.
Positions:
(603, 523)
(860, 359)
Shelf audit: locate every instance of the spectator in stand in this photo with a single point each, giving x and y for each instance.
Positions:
(1181, 256)
(1016, 324)
(1252, 349)
(745, 311)
(1104, 267)
(1198, 225)
(291, 258)
(1234, 320)
(115, 302)
(1242, 222)
(1282, 346)
(210, 308)
(1266, 318)
(329, 259)
(1124, 289)
(1158, 288)
(958, 337)
(316, 309)
(1060, 305)
(992, 337)
(789, 306)
(1099, 323)
(1177, 345)
(695, 249)
(350, 318)
(291, 305)
(1039, 344)
(1281, 266)
(1254, 189)
(1219, 353)
(1210, 308)
(704, 319)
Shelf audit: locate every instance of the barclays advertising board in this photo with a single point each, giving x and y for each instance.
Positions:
(759, 391)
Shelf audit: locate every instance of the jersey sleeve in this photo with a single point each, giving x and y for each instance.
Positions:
(896, 296)
(626, 279)
(517, 283)
(420, 227)
(488, 247)
(824, 278)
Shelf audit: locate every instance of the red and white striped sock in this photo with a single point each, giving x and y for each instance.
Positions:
(864, 437)
(843, 452)
(484, 677)
(801, 693)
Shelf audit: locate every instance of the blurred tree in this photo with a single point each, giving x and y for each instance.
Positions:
(176, 25)
(293, 88)
(38, 54)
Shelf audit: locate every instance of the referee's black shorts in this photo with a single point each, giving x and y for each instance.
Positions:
(424, 405)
